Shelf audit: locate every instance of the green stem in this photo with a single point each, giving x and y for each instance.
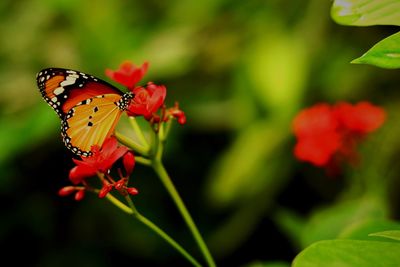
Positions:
(143, 161)
(134, 212)
(166, 180)
(119, 204)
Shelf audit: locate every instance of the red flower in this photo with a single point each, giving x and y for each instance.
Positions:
(176, 113)
(328, 134)
(361, 118)
(128, 74)
(101, 160)
(147, 100)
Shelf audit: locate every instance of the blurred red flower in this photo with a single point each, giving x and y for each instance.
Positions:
(327, 135)
(101, 160)
(128, 74)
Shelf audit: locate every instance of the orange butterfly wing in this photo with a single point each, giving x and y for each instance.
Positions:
(62, 89)
(88, 107)
(90, 123)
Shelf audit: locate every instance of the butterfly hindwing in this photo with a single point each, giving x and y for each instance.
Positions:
(88, 107)
(90, 123)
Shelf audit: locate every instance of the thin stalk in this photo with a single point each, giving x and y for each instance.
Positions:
(143, 160)
(131, 210)
(166, 180)
(119, 204)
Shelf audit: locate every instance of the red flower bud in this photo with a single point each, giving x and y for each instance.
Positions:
(120, 184)
(182, 120)
(65, 191)
(129, 162)
(79, 195)
(132, 191)
(105, 190)
(176, 113)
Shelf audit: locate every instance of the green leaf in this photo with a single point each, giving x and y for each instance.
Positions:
(349, 253)
(385, 54)
(393, 234)
(366, 12)
(362, 230)
(329, 223)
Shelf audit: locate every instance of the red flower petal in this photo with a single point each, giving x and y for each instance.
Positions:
(101, 160)
(362, 118)
(128, 73)
(109, 146)
(88, 162)
(315, 120)
(137, 110)
(78, 173)
(159, 92)
(318, 151)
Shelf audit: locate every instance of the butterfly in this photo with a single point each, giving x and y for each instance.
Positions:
(89, 108)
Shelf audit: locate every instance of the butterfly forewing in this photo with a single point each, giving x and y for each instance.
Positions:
(62, 89)
(88, 107)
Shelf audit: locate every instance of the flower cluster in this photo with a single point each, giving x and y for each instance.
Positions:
(329, 134)
(100, 163)
(148, 100)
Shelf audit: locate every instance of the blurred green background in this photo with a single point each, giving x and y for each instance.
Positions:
(240, 70)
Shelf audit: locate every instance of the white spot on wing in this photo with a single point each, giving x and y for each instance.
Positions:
(73, 76)
(58, 90)
(70, 79)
